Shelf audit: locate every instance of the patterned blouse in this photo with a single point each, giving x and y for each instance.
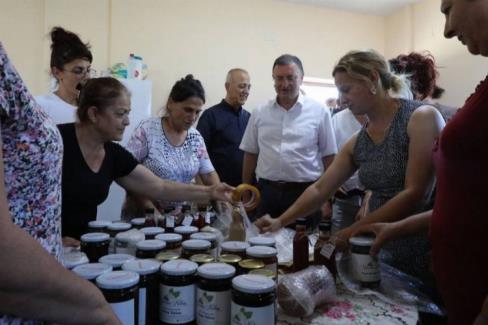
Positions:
(32, 156)
(151, 148)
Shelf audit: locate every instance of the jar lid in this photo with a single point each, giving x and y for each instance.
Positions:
(185, 230)
(150, 244)
(91, 270)
(167, 256)
(117, 280)
(94, 237)
(235, 246)
(196, 244)
(179, 267)
(116, 260)
(202, 258)
(230, 258)
(124, 237)
(119, 226)
(216, 271)
(261, 251)
(251, 264)
(99, 223)
(361, 241)
(169, 238)
(142, 267)
(262, 241)
(74, 258)
(152, 230)
(265, 272)
(138, 221)
(252, 283)
(210, 236)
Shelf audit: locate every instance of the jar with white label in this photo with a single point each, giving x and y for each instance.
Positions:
(116, 260)
(152, 232)
(120, 289)
(214, 293)
(235, 248)
(365, 268)
(149, 248)
(177, 292)
(186, 231)
(173, 242)
(95, 245)
(148, 271)
(91, 271)
(268, 255)
(73, 258)
(194, 246)
(253, 300)
(138, 223)
(98, 225)
(262, 241)
(113, 229)
(208, 236)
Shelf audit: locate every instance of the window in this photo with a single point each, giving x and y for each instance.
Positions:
(319, 89)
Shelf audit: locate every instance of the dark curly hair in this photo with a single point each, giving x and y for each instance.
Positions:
(420, 70)
(187, 87)
(66, 47)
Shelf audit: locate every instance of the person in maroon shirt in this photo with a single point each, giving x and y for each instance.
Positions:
(458, 224)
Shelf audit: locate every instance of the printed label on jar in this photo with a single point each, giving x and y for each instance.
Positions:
(327, 250)
(242, 315)
(170, 221)
(213, 308)
(365, 268)
(177, 304)
(125, 311)
(187, 221)
(142, 306)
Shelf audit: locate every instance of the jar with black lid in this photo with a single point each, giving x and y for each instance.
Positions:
(95, 245)
(194, 246)
(173, 242)
(213, 293)
(98, 225)
(177, 292)
(253, 300)
(152, 232)
(120, 289)
(365, 268)
(148, 271)
(234, 247)
(149, 248)
(91, 271)
(116, 260)
(113, 229)
(186, 231)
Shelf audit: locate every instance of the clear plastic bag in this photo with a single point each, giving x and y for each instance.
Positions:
(299, 293)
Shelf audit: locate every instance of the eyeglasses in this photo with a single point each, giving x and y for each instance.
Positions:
(80, 72)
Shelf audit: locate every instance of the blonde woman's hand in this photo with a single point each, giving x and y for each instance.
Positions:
(383, 231)
(221, 192)
(268, 224)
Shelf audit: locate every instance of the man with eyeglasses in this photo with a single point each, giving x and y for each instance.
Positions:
(288, 142)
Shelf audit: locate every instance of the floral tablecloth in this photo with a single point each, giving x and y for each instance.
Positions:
(350, 308)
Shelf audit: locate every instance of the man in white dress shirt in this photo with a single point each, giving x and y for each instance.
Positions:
(288, 142)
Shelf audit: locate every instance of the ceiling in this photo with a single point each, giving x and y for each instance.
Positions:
(369, 7)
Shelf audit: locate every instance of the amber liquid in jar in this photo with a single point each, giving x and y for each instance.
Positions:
(300, 246)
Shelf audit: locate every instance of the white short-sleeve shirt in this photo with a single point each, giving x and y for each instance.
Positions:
(290, 143)
(58, 110)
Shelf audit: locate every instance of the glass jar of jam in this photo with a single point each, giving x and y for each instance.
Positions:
(149, 248)
(148, 305)
(201, 259)
(262, 241)
(365, 268)
(120, 290)
(208, 236)
(91, 271)
(95, 245)
(169, 219)
(173, 242)
(116, 260)
(186, 231)
(138, 223)
(253, 300)
(152, 232)
(230, 259)
(213, 293)
(249, 264)
(164, 257)
(268, 255)
(191, 247)
(113, 229)
(177, 292)
(234, 247)
(98, 225)
(73, 258)
(125, 242)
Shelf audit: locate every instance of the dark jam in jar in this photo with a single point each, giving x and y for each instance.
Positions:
(116, 260)
(173, 242)
(95, 245)
(177, 292)
(148, 271)
(209, 236)
(213, 293)
(194, 246)
(365, 268)
(235, 248)
(152, 232)
(138, 223)
(268, 255)
(120, 290)
(323, 253)
(98, 225)
(149, 248)
(186, 231)
(253, 300)
(91, 271)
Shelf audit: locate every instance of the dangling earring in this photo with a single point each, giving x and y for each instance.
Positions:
(373, 90)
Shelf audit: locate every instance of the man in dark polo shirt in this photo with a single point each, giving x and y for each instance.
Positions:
(223, 125)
